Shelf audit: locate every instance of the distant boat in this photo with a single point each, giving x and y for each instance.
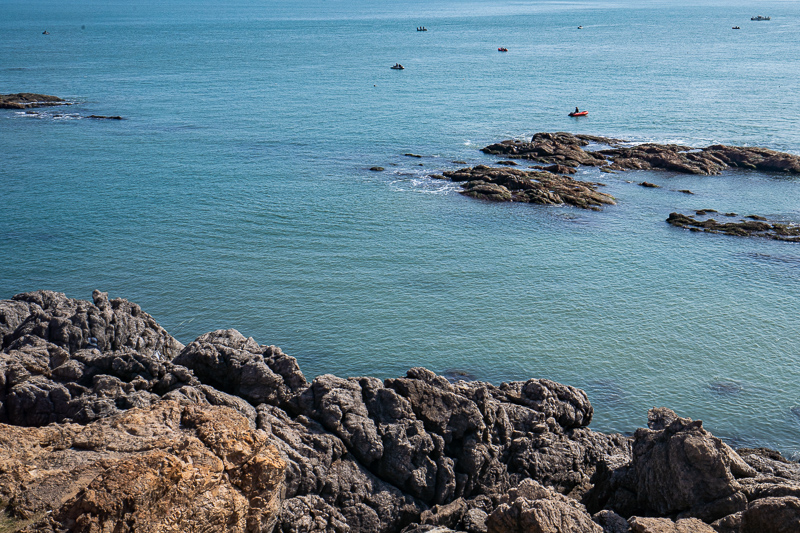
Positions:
(45, 32)
(398, 66)
(580, 27)
(422, 28)
(736, 28)
(502, 49)
(579, 113)
(759, 18)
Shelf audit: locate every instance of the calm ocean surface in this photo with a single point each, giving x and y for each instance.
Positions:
(236, 194)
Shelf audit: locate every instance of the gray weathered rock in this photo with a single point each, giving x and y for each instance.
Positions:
(231, 362)
(532, 508)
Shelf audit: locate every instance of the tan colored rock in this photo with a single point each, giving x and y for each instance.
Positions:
(533, 508)
(174, 467)
(665, 525)
(772, 515)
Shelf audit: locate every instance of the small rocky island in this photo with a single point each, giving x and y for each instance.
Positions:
(108, 423)
(29, 100)
(757, 226)
(568, 150)
(508, 184)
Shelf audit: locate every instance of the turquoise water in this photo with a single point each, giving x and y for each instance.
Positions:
(236, 192)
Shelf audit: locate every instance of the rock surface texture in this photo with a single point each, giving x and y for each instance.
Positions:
(568, 150)
(506, 184)
(107, 423)
(175, 466)
(28, 100)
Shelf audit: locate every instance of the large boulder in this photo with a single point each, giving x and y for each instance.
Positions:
(231, 362)
(171, 467)
(677, 469)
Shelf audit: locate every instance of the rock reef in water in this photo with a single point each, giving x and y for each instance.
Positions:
(568, 150)
(28, 100)
(506, 184)
(109, 423)
(756, 227)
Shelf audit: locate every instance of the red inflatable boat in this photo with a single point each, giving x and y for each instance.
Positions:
(579, 114)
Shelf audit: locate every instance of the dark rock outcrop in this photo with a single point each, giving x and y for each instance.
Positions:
(677, 469)
(415, 454)
(507, 184)
(756, 227)
(28, 100)
(568, 150)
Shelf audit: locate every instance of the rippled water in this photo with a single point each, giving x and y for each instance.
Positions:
(236, 192)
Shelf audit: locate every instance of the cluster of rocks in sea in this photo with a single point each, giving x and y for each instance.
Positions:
(757, 226)
(567, 150)
(108, 423)
(564, 152)
(508, 184)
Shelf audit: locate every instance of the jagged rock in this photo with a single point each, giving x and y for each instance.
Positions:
(318, 463)
(532, 508)
(42, 383)
(171, 467)
(28, 100)
(71, 324)
(538, 187)
(665, 525)
(677, 468)
(744, 228)
(228, 360)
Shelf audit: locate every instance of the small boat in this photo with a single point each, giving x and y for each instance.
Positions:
(579, 113)
(502, 49)
(398, 66)
(422, 28)
(580, 27)
(736, 28)
(759, 18)
(45, 32)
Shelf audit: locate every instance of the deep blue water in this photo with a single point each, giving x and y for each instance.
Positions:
(236, 192)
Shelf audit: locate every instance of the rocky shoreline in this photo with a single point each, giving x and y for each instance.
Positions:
(109, 423)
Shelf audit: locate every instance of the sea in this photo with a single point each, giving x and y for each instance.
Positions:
(236, 191)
